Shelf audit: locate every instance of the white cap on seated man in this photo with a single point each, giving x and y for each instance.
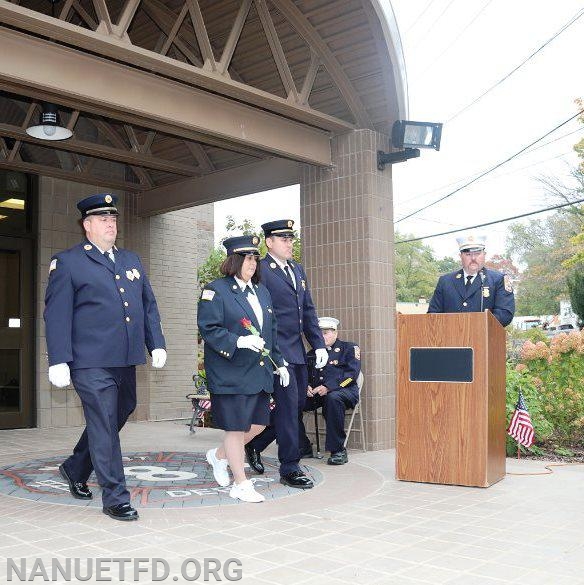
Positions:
(328, 323)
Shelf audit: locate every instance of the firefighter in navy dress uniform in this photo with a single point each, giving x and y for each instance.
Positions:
(238, 325)
(100, 312)
(474, 288)
(296, 315)
(333, 387)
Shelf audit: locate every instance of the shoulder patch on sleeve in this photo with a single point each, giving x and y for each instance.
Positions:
(53, 265)
(508, 285)
(207, 295)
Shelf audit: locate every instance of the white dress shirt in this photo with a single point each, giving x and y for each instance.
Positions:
(252, 299)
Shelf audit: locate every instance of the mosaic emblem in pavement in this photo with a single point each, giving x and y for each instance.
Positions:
(155, 480)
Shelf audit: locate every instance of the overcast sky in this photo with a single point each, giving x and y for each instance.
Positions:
(455, 50)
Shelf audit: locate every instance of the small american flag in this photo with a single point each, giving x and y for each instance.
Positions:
(520, 427)
(202, 406)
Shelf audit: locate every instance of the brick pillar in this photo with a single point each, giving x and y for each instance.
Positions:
(348, 252)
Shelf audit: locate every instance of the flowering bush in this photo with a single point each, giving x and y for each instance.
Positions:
(556, 370)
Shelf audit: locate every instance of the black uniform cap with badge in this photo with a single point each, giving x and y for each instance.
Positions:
(242, 245)
(282, 228)
(99, 204)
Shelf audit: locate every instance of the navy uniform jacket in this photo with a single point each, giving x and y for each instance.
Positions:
(229, 369)
(294, 309)
(451, 295)
(342, 368)
(99, 314)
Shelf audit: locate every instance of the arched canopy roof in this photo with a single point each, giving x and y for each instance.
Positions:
(162, 92)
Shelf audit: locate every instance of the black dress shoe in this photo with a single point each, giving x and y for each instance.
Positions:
(254, 459)
(339, 458)
(297, 479)
(121, 512)
(306, 454)
(78, 489)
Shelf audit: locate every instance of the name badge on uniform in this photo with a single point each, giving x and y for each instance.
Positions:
(129, 275)
(486, 292)
(303, 283)
(136, 273)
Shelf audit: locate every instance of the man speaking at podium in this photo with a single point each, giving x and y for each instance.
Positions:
(474, 288)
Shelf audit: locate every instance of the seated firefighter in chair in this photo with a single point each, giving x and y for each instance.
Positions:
(333, 387)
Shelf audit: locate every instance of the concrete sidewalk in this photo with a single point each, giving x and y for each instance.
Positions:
(358, 525)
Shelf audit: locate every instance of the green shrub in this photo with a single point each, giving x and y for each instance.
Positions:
(556, 369)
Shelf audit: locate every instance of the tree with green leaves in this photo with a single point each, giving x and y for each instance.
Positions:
(416, 270)
(576, 288)
(542, 245)
(448, 264)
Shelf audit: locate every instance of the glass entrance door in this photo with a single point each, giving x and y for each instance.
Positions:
(16, 333)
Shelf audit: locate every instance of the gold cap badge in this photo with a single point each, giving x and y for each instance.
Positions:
(255, 241)
(290, 223)
(108, 199)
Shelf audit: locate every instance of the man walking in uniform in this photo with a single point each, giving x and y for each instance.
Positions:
(295, 315)
(100, 311)
(474, 288)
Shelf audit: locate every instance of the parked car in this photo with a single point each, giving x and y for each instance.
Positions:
(565, 328)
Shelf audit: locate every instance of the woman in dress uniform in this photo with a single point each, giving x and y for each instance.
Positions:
(238, 325)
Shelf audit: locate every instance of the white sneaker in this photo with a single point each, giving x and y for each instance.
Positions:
(219, 468)
(245, 492)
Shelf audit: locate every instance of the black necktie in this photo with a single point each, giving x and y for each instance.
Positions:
(288, 275)
(106, 254)
(468, 279)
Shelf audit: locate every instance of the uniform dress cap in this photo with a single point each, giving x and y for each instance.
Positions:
(99, 204)
(471, 243)
(328, 323)
(242, 245)
(280, 227)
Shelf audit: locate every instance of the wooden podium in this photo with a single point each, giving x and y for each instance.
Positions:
(451, 399)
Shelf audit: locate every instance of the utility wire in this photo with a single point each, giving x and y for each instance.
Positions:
(419, 16)
(557, 34)
(529, 151)
(424, 36)
(480, 225)
(454, 41)
(490, 170)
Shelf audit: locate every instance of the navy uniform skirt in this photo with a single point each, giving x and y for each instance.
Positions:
(237, 412)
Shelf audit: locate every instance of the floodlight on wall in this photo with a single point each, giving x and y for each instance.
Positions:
(410, 136)
(49, 126)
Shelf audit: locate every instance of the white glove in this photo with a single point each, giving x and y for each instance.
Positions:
(321, 358)
(59, 375)
(158, 358)
(284, 376)
(253, 342)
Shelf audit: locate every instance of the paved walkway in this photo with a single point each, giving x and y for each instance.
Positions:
(359, 525)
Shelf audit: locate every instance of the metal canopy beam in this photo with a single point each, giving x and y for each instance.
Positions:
(243, 180)
(105, 152)
(113, 90)
(111, 47)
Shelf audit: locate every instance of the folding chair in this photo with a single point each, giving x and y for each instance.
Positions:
(357, 410)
